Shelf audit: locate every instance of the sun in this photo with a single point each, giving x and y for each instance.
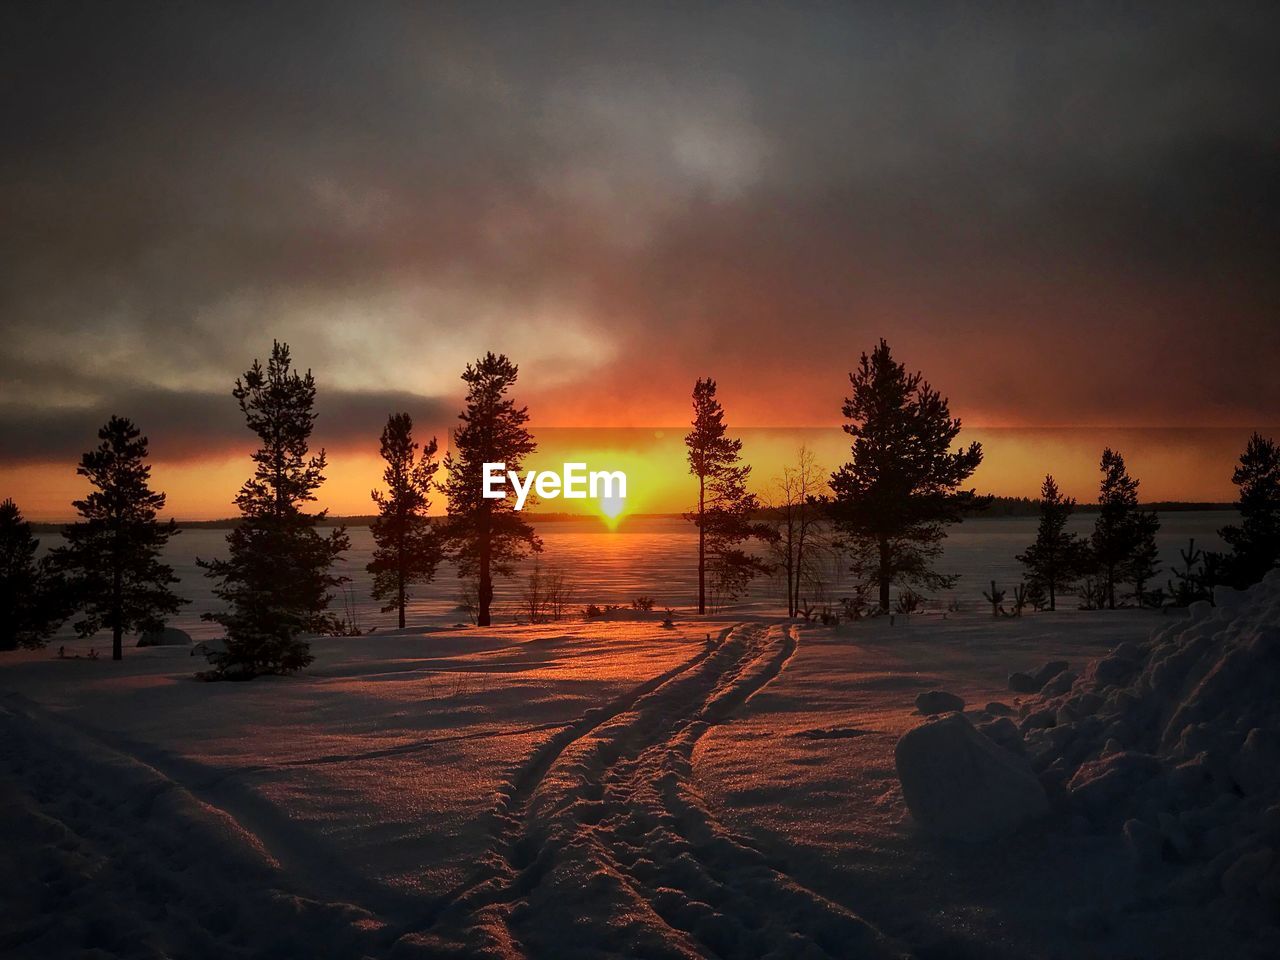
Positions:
(611, 509)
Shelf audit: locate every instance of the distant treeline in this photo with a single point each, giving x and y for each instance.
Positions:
(1000, 507)
(1029, 507)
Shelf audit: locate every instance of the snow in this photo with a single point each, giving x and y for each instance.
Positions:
(578, 789)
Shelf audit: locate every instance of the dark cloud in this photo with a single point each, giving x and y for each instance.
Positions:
(183, 425)
(1065, 213)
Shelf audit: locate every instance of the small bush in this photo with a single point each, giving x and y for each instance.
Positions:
(909, 602)
(642, 602)
(469, 600)
(1093, 594)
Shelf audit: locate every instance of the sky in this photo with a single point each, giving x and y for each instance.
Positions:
(1065, 215)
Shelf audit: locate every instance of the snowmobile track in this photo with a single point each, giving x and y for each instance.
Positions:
(603, 845)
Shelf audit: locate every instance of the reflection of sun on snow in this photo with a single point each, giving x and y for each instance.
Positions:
(611, 508)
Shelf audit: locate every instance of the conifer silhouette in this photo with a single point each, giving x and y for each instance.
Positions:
(486, 537)
(31, 592)
(1255, 541)
(408, 546)
(1123, 544)
(894, 499)
(725, 510)
(1056, 558)
(277, 576)
(115, 577)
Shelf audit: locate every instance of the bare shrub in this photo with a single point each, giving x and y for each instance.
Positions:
(469, 600)
(910, 602)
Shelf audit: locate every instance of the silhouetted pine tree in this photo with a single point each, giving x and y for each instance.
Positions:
(31, 592)
(484, 536)
(1255, 541)
(408, 544)
(1144, 563)
(112, 558)
(1056, 558)
(893, 500)
(1123, 541)
(276, 578)
(1190, 584)
(725, 508)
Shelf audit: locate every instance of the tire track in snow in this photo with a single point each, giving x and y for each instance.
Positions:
(511, 809)
(605, 847)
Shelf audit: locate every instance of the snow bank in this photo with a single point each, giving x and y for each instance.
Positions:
(104, 856)
(1174, 744)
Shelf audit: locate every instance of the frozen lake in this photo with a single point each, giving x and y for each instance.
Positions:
(656, 557)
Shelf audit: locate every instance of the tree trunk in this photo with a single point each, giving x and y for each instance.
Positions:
(484, 592)
(883, 575)
(117, 614)
(799, 566)
(400, 600)
(789, 564)
(1052, 599)
(401, 563)
(484, 589)
(791, 596)
(702, 547)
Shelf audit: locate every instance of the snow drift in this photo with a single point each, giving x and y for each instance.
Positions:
(1175, 744)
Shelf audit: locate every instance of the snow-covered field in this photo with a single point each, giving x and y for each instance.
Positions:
(724, 789)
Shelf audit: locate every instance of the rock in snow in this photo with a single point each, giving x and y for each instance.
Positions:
(1256, 768)
(938, 701)
(1050, 670)
(206, 647)
(1004, 731)
(961, 785)
(1023, 683)
(165, 637)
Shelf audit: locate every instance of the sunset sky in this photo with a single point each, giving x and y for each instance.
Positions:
(1065, 215)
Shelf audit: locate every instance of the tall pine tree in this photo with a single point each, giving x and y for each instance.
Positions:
(408, 547)
(1057, 557)
(725, 510)
(894, 499)
(486, 537)
(1255, 541)
(1123, 544)
(112, 557)
(30, 591)
(277, 576)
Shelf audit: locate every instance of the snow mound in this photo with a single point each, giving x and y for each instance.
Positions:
(960, 784)
(1175, 744)
(165, 637)
(105, 857)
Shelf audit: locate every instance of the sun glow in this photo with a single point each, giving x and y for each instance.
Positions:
(611, 509)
